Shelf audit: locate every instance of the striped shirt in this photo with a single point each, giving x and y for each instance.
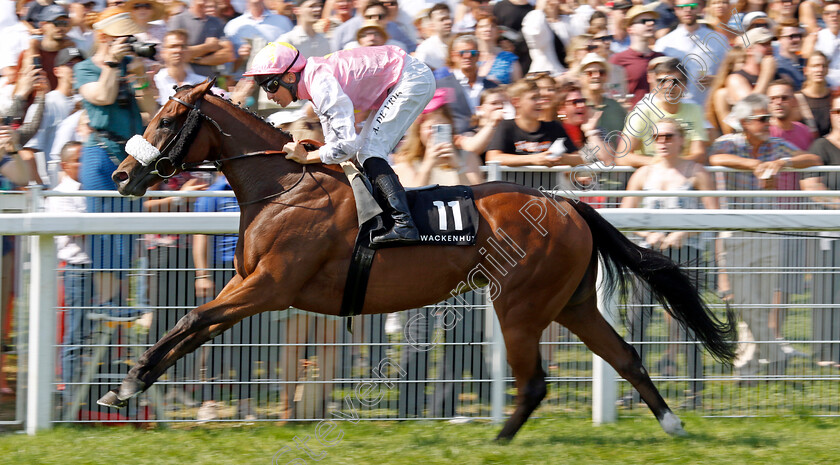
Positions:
(737, 144)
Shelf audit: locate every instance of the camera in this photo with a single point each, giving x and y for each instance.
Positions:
(142, 49)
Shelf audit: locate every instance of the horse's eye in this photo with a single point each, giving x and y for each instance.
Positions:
(165, 122)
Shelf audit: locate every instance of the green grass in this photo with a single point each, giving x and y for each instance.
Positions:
(555, 439)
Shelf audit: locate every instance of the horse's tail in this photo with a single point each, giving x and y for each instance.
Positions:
(671, 286)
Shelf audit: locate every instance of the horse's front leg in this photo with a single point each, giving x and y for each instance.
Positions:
(239, 299)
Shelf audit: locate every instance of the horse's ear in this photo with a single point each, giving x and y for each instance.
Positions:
(205, 86)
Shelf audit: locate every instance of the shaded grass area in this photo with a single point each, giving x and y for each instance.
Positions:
(553, 439)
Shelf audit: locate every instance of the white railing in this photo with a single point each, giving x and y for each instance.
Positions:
(43, 284)
(44, 226)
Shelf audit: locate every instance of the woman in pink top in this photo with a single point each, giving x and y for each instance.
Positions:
(384, 79)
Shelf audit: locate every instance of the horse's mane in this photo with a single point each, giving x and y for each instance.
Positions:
(246, 110)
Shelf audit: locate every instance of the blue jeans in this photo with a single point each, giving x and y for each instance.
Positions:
(78, 291)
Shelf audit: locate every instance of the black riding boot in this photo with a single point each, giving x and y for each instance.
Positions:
(395, 204)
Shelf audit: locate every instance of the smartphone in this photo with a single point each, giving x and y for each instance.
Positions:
(441, 134)
(557, 148)
(36, 62)
(12, 121)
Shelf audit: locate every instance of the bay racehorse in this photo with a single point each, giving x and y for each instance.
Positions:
(297, 230)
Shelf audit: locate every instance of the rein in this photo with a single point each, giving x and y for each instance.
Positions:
(310, 145)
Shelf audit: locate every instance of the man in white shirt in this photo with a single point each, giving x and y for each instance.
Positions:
(434, 50)
(700, 65)
(77, 272)
(828, 41)
(257, 22)
(175, 71)
(303, 36)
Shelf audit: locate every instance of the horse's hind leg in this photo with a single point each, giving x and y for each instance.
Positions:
(586, 322)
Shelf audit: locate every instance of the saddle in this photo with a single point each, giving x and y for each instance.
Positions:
(444, 216)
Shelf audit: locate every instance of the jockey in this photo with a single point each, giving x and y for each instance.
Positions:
(384, 79)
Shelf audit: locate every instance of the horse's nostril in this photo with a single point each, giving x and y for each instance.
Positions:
(120, 176)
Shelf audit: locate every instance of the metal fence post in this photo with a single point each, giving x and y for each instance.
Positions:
(498, 359)
(494, 329)
(494, 171)
(604, 386)
(42, 333)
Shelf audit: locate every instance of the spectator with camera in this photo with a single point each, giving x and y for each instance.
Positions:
(207, 46)
(58, 105)
(55, 23)
(27, 109)
(109, 100)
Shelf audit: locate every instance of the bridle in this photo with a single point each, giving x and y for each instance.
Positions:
(176, 161)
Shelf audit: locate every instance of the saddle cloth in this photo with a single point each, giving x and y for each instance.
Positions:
(444, 215)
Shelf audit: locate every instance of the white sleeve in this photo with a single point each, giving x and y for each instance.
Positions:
(540, 40)
(337, 117)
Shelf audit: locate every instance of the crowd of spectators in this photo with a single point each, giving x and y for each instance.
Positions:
(742, 84)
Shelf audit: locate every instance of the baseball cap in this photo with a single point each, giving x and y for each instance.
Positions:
(759, 35)
(590, 58)
(622, 5)
(755, 18)
(66, 55)
(53, 12)
(638, 10)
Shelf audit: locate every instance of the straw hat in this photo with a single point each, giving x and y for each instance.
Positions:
(116, 22)
(158, 9)
(371, 25)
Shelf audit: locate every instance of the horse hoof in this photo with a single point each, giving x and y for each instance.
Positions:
(130, 388)
(112, 400)
(672, 425)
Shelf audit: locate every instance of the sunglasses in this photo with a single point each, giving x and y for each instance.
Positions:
(835, 111)
(760, 118)
(273, 82)
(595, 72)
(603, 39)
(61, 23)
(667, 80)
(468, 53)
(576, 102)
(591, 47)
(142, 6)
(375, 17)
(796, 35)
(665, 137)
(646, 21)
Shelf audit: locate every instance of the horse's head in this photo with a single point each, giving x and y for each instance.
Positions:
(177, 135)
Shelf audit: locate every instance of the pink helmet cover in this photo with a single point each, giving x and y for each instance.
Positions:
(275, 58)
